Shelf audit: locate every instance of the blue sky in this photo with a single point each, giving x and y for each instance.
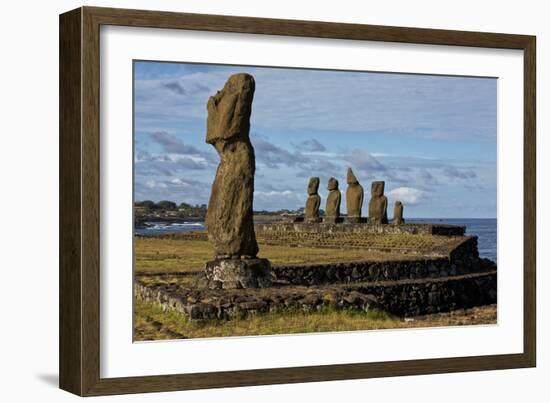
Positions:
(431, 138)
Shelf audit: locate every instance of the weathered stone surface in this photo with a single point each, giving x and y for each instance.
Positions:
(238, 273)
(313, 201)
(334, 198)
(408, 297)
(398, 213)
(229, 215)
(354, 198)
(378, 205)
(463, 260)
(354, 220)
(284, 229)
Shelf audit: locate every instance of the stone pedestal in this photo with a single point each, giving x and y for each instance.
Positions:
(238, 273)
(332, 219)
(308, 220)
(355, 220)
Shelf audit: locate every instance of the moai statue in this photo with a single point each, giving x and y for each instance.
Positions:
(229, 216)
(313, 201)
(398, 214)
(354, 198)
(332, 210)
(378, 204)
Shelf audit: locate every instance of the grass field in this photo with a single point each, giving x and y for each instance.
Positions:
(151, 323)
(164, 255)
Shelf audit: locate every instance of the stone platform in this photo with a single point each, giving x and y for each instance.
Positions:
(403, 298)
(362, 228)
(445, 259)
(453, 277)
(406, 275)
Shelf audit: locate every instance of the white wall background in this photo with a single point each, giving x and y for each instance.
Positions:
(29, 202)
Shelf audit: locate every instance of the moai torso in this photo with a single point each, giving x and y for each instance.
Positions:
(398, 213)
(332, 210)
(229, 216)
(354, 196)
(313, 200)
(378, 204)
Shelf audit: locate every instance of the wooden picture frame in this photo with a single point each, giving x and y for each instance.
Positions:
(79, 347)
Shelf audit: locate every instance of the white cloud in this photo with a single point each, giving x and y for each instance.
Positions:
(304, 99)
(363, 161)
(275, 200)
(408, 195)
(274, 193)
(153, 184)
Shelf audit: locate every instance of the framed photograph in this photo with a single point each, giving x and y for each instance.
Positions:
(250, 201)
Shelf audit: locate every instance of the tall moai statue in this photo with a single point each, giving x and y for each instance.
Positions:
(313, 201)
(229, 219)
(332, 210)
(354, 198)
(398, 214)
(378, 204)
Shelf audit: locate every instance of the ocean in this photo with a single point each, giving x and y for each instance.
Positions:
(484, 228)
(161, 227)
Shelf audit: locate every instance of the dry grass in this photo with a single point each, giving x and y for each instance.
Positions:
(350, 240)
(154, 255)
(347, 240)
(151, 323)
(162, 255)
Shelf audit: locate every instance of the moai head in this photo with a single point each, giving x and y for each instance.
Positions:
(377, 189)
(229, 111)
(351, 179)
(332, 184)
(313, 186)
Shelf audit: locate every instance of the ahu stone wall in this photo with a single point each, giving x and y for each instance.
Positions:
(364, 228)
(402, 298)
(463, 259)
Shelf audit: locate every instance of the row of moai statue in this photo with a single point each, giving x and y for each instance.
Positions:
(378, 204)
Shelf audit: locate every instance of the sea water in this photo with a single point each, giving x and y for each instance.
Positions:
(162, 227)
(484, 228)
